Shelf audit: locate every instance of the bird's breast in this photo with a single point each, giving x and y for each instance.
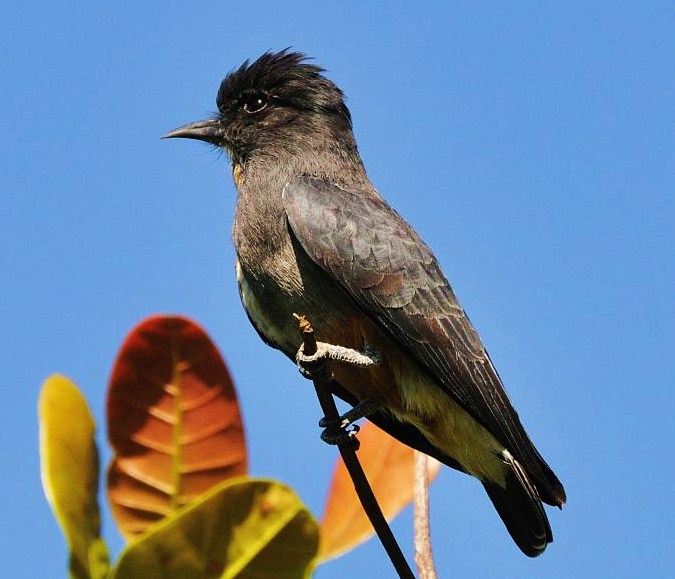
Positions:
(283, 284)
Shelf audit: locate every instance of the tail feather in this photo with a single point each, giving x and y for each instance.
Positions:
(520, 508)
(552, 492)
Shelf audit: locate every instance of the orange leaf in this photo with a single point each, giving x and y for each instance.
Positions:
(173, 422)
(389, 466)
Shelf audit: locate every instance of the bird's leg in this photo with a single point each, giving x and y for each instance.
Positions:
(316, 366)
(309, 365)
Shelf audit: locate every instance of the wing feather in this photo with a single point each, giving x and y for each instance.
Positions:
(387, 269)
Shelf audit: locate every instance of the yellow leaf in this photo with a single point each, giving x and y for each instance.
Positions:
(243, 528)
(69, 468)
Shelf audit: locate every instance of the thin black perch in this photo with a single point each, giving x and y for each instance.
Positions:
(317, 369)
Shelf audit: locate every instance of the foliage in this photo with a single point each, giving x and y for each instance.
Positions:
(178, 484)
(69, 465)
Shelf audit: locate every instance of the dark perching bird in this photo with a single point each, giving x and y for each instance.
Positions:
(313, 236)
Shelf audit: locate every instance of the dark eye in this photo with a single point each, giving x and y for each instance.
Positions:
(253, 103)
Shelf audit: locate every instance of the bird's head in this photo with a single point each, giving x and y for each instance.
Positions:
(279, 102)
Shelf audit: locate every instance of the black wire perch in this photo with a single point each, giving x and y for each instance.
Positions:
(317, 369)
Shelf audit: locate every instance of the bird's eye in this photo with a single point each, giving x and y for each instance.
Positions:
(253, 103)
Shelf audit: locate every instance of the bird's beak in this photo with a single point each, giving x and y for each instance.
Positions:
(210, 131)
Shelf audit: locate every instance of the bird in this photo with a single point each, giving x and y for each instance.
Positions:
(313, 235)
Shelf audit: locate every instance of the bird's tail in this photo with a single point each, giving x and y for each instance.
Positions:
(520, 507)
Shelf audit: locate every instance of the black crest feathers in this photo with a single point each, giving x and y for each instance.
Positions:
(287, 77)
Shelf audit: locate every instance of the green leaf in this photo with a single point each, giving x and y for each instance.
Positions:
(245, 528)
(69, 467)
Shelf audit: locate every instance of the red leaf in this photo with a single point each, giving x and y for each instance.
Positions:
(173, 422)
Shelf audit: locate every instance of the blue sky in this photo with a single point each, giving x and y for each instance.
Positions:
(531, 145)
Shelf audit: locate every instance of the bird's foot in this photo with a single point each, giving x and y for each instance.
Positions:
(343, 430)
(339, 434)
(316, 365)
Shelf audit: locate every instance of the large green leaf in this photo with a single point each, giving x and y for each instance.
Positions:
(245, 528)
(69, 465)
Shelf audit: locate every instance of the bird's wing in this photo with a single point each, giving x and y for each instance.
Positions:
(385, 267)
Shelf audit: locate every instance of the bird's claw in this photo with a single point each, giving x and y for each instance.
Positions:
(315, 365)
(340, 432)
(343, 429)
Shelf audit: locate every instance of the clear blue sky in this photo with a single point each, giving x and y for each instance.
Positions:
(531, 144)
